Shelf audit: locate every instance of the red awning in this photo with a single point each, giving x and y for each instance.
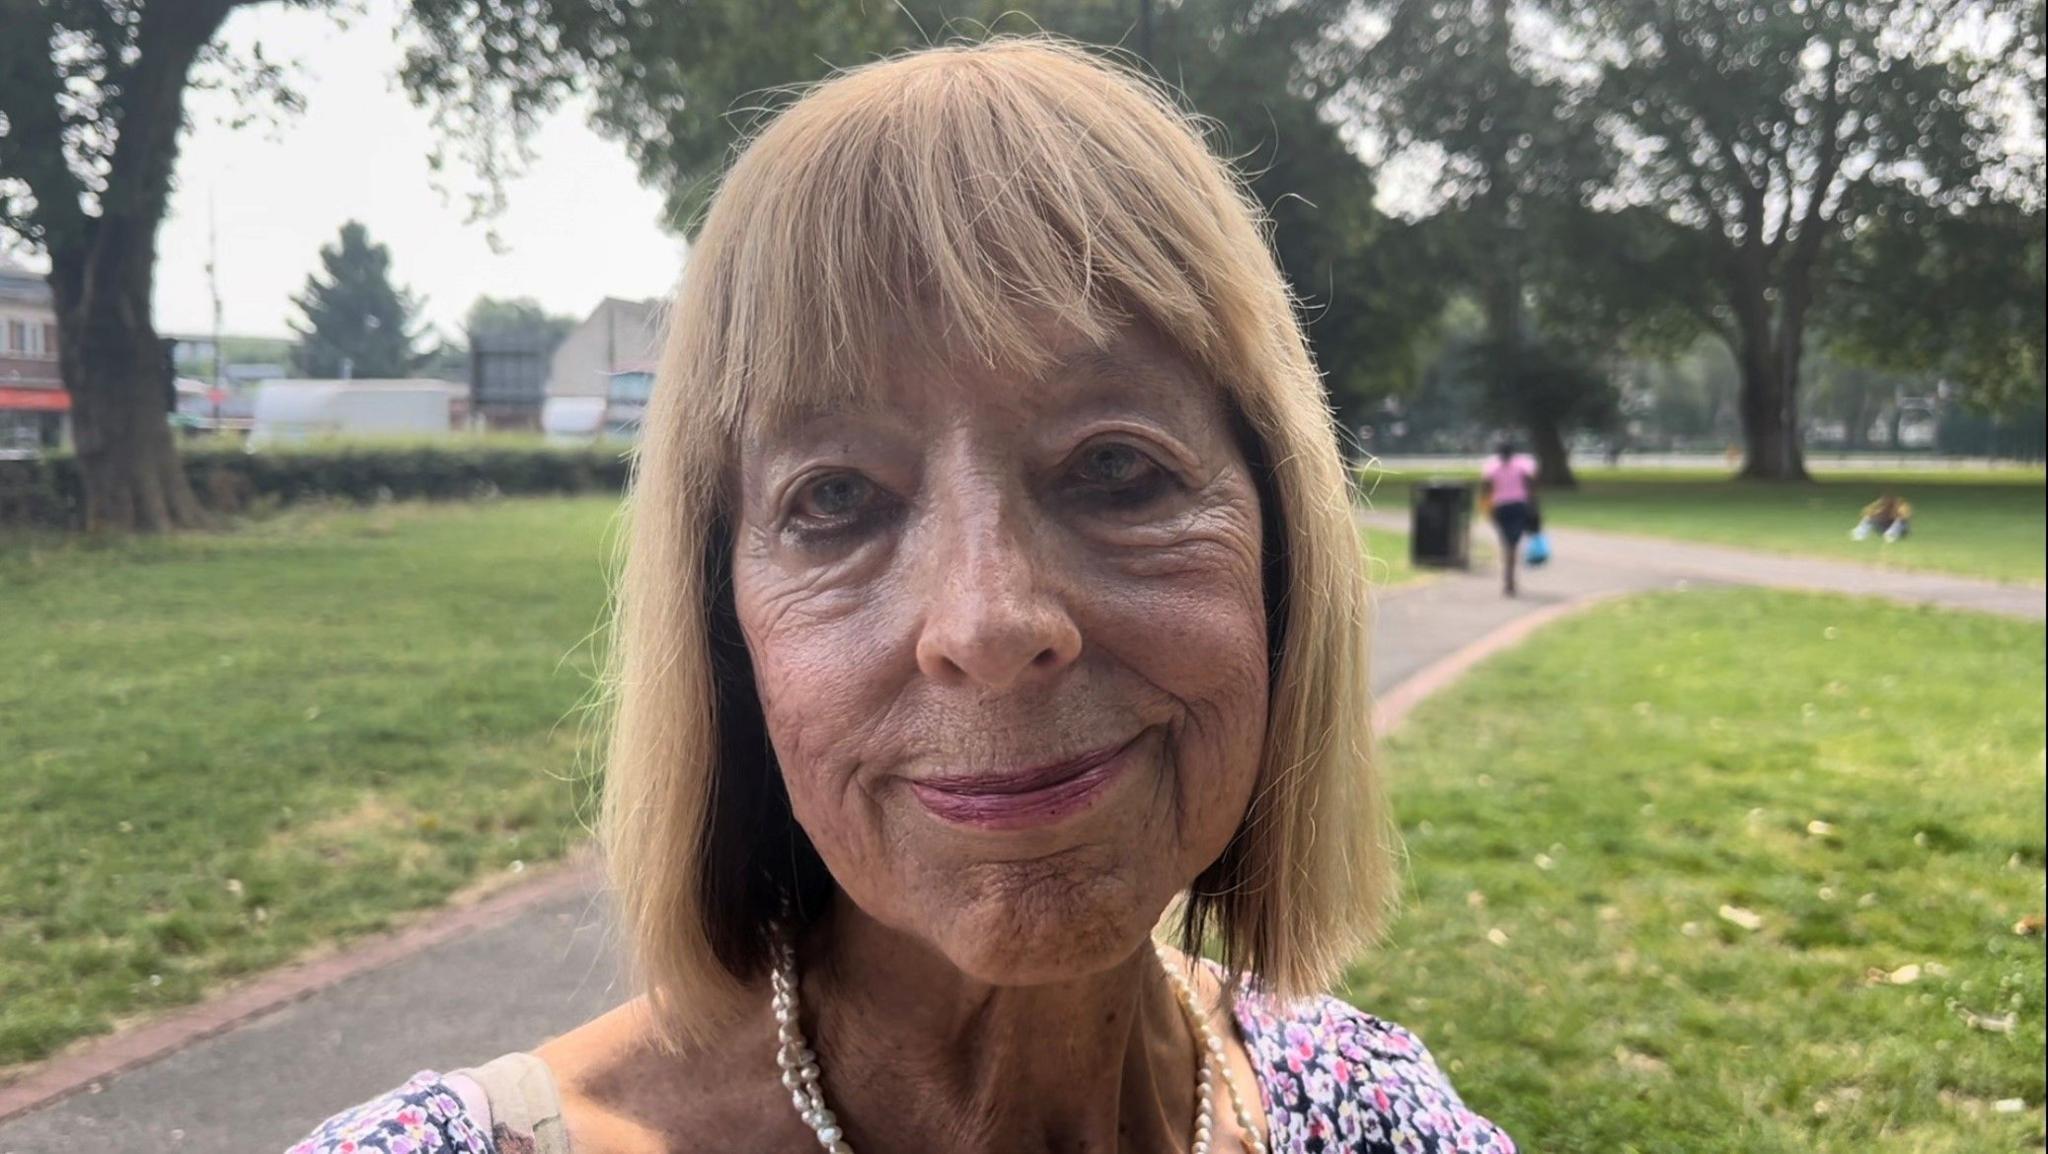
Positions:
(36, 400)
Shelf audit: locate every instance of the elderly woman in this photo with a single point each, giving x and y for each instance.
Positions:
(993, 599)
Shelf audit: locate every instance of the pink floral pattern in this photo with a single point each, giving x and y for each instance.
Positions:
(1334, 1080)
(423, 1116)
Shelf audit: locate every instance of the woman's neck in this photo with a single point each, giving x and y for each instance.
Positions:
(917, 1055)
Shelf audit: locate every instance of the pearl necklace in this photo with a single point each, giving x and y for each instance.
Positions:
(803, 1079)
(1215, 1067)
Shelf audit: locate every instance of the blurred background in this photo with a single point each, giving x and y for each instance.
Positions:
(325, 330)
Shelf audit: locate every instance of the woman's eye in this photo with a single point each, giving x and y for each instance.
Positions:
(1113, 465)
(834, 497)
(1119, 475)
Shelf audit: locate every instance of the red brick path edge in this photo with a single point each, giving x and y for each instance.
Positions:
(97, 1061)
(1393, 707)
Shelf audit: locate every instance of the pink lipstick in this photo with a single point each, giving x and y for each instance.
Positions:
(1025, 798)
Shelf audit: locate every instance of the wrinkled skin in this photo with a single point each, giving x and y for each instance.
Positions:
(986, 574)
(982, 574)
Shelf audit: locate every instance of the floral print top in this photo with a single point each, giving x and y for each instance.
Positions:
(1334, 1080)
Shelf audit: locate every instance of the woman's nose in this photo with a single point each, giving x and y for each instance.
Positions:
(994, 617)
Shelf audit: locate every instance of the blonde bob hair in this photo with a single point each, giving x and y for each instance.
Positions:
(967, 194)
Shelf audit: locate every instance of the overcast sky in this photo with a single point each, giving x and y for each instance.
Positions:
(578, 227)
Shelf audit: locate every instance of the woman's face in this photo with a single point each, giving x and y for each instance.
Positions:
(1010, 641)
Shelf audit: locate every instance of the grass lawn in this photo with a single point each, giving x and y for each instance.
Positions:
(1388, 562)
(1732, 871)
(1386, 553)
(1991, 525)
(222, 750)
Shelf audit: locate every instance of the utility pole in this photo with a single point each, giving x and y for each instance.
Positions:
(213, 287)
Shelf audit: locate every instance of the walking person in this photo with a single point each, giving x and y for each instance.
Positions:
(1510, 480)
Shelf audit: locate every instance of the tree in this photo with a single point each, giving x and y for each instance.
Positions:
(509, 324)
(1960, 295)
(357, 323)
(680, 84)
(92, 100)
(91, 104)
(491, 318)
(1727, 149)
(1856, 395)
(1444, 78)
(445, 360)
(1546, 387)
(1683, 399)
(1262, 73)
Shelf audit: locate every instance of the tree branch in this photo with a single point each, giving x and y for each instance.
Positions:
(1704, 191)
(33, 149)
(1712, 321)
(1806, 246)
(150, 109)
(1698, 118)
(1778, 171)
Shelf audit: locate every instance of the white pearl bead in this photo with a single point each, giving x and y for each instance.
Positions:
(802, 1074)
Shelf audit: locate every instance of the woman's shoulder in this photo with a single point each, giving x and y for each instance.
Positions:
(1340, 1079)
(423, 1116)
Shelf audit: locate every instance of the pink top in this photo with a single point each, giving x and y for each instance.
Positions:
(1509, 479)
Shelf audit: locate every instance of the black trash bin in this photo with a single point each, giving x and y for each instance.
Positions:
(1440, 525)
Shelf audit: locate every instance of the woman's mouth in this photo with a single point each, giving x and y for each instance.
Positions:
(1024, 798)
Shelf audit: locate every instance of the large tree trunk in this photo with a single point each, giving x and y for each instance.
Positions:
(1770, 425)
(112, 365)
(1769, 357)
(1553, 459)
(102, 272)
(1857, 436)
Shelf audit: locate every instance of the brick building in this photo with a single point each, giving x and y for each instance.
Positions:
(34, 408)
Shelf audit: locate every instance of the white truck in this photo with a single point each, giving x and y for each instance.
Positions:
(306, 410)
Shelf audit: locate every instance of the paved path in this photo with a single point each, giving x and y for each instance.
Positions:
(1598, 556)
(257, 1088)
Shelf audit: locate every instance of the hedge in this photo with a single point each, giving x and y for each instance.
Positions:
(48, 493)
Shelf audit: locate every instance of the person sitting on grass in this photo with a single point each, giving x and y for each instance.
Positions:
(1889, 515)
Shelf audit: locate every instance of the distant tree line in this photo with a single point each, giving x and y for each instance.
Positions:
(355, 322)
(1611, 178)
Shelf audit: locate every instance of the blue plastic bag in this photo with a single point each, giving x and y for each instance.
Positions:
(1538, 549)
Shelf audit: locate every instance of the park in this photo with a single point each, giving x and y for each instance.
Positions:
(1727, 831)
(396, 706)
